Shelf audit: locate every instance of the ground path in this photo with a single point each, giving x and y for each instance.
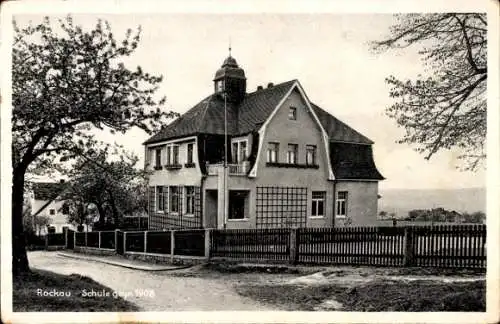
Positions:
(171, 293)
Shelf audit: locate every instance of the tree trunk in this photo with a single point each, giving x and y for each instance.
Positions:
(19, 257)
(116, 215)
(102, 215)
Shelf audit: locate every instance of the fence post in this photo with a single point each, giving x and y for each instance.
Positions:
(74, 239)
(207, 243)
(124, 242)
(116, 240)
(172, 245)
(145, 241)
(47, 241)
(293, 246)
(99, 239)
(408, 260)
(86, 238)
(65, 238)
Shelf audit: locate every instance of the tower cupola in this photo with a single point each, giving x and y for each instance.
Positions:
(230, 80)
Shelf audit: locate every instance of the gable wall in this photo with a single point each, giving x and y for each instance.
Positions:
(303, 131)
(58, 220)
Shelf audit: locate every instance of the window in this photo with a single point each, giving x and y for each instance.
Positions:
(239, 151)
(341, 203)
(237, 204)
(65, 209)
(318, 204)
(52, 211)
(292, 153)
(219, 86)
(189, 200)
(158, 158)
(174, 199)
(272, 152)
(160, 201)
(51, 229)
(242, 156)
(190, 147)
(173, 154)
(234, 152)
(311, 154)
(292, 113)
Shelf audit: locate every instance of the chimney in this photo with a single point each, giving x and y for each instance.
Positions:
(260, 88)
(270, 85)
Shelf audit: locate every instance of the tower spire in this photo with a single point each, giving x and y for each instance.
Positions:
(229, 46)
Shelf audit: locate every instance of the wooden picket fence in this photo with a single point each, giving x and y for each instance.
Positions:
(254, 244)
(461, 246)
(452, 246)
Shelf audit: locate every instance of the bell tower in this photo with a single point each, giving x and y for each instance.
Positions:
(230, 80)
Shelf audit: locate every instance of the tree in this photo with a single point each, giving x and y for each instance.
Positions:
(476, 217)
(78, 212)
(28, 223)
(65, 84)
(41, 221)
(113, 187)
(447, 109)
(383, 214)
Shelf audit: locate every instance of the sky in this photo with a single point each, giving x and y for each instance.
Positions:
(328, 53)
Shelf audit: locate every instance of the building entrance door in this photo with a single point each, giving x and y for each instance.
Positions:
(211, 208)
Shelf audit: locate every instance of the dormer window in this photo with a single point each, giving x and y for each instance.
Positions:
(239, 151)
(219, 86)
(292, 113)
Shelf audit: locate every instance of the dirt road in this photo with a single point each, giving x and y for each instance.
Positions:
(152, 291)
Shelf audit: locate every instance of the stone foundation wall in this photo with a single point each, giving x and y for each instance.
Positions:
(55, 247)
(166, 258)
(93, 251)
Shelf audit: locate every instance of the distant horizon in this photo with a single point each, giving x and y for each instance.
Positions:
(430, 188)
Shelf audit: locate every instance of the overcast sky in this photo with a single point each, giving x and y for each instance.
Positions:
(328, 53)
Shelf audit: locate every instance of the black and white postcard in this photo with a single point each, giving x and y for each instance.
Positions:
(250, 161)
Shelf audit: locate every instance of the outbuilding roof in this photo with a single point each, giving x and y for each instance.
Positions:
(47, 190)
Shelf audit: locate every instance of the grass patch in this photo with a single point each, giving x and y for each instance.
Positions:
(40, 291)
(376, 296)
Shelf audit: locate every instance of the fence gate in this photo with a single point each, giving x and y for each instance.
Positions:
(70, 239)
(119, 242)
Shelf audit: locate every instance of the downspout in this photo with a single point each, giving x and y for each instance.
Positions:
(334, 204)
(202, 201)
(225, 159)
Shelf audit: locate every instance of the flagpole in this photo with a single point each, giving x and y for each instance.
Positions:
(225, 155)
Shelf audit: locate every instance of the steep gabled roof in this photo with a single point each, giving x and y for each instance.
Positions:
(258, 105)
(208, 117)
